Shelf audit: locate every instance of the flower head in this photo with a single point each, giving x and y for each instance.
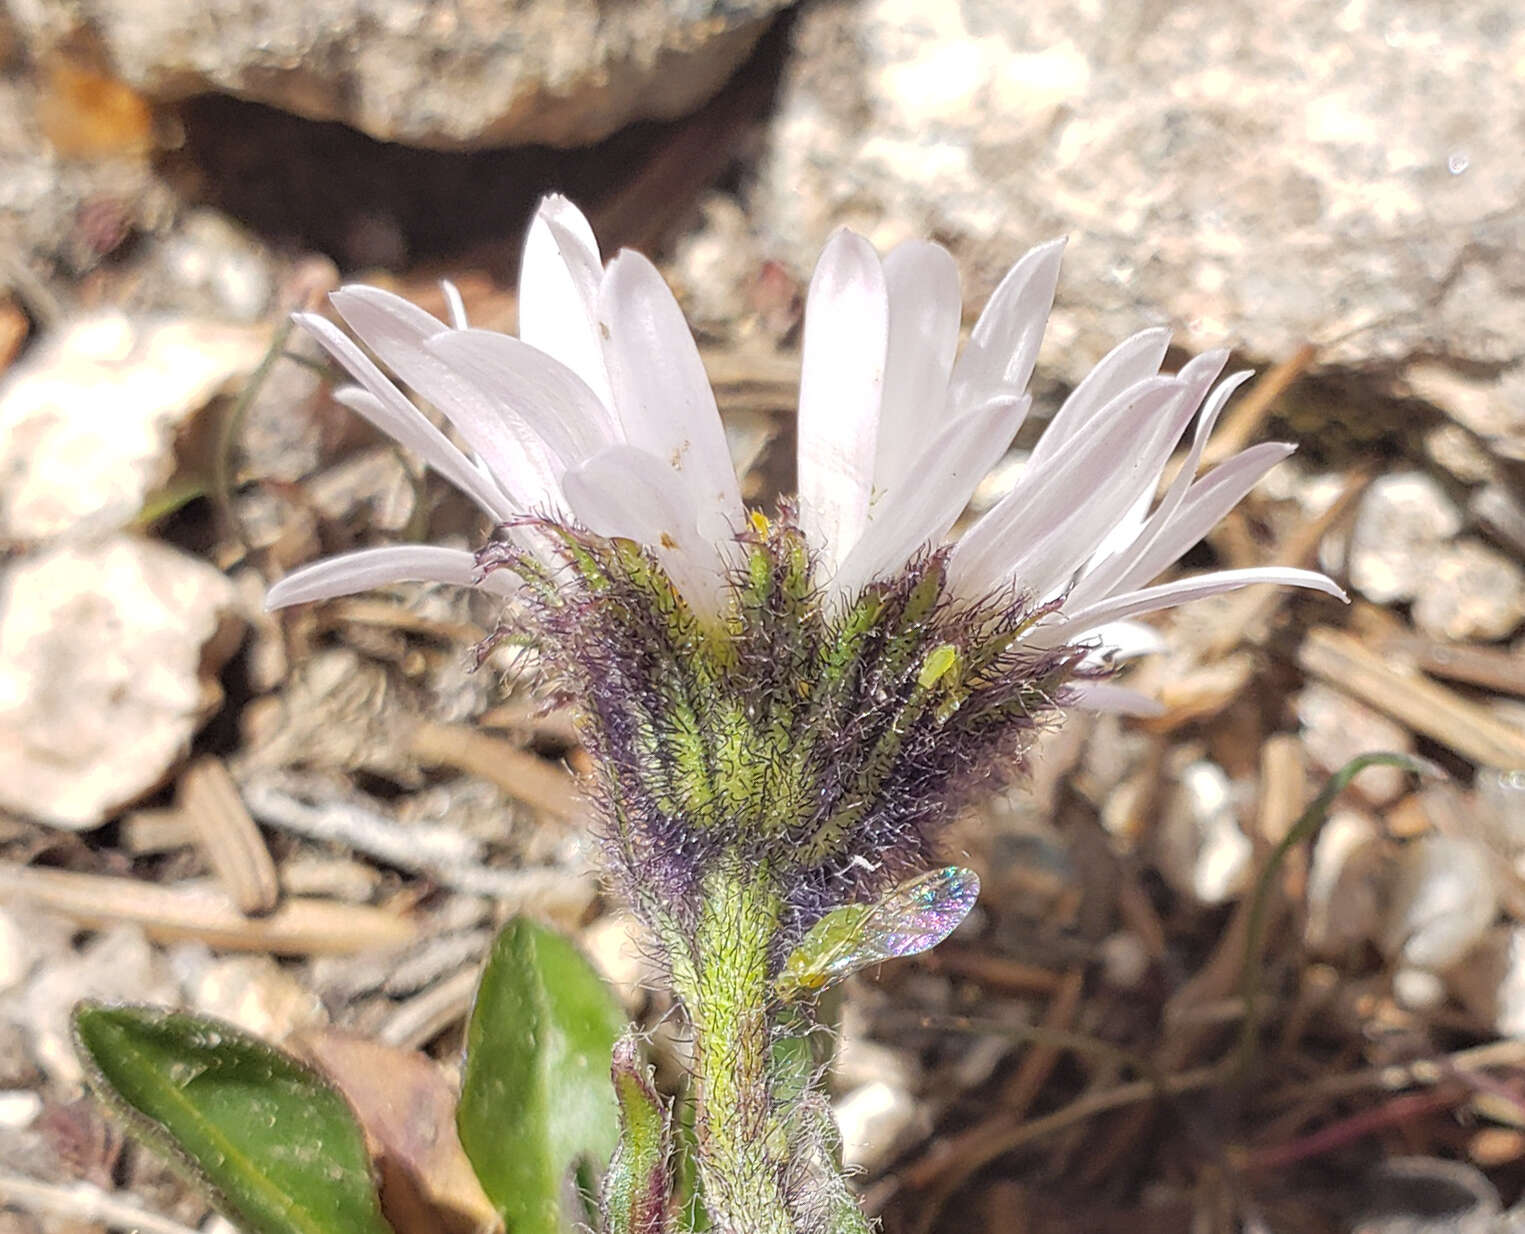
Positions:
(813, 690)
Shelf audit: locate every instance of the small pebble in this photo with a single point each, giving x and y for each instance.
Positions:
(1202, 850)
(1444, 899)
(19, 1109)
(1417, 989)
(1124, 960)
(1501, 795)
(877, 1120)
(1471, 593)
(1345, 883)
(1402, 517)
(1336, 728)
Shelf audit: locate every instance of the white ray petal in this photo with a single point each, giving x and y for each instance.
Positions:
(559, 276)
(841, 386)
(935, 492)
(630, 493)
(1122, 640)
(556, 404)
(1200, 510)
(1056, 553)
(365, 568)
(925, 308)
(1132, 361)
(385, 406)
(1103, 696)
(662, 395)
(1169, 595)
(1106, 465)
(1131, 540)
(1003, 347)
(397, 331)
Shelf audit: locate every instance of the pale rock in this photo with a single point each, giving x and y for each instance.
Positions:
(19, 1109)
(253, 992)
(716, 263)
(1337, 728)
(1125, 960)
(1114, 751)
(877, 1120)
(979, 1061)
(17, 953)
(563, 72)
(1491, 407)
(1418, 989)
(1346, 882)
(108, 656)
(210, 255)
(1454, 449)
(1470, 592)
(88, 419)
(1256, 174)
(1490, 980)
(1501, 797)
(118, 965)
(1430, 1195)
(859, 1059)
(1203, 852)
(1403, 517)
(1499, 510)
(1444, 897)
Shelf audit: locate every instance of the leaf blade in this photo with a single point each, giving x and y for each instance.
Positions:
(273, 1145)
(535, 1096)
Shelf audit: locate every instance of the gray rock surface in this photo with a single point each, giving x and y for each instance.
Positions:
(108, 657)
(470, 74)
(1260, 174)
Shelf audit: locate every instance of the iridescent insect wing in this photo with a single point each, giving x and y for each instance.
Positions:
(912, 918)
(918, 915)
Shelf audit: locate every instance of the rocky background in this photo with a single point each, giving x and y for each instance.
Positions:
(316, 819)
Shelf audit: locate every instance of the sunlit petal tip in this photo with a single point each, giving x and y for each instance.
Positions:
(559, 211)
(456, 305)
(848, 264)
(366, 568)
(347, 298)
(1103, 696)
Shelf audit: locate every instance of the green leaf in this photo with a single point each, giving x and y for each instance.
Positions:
(276, 1148)
(638, 1187)
(535, 1098)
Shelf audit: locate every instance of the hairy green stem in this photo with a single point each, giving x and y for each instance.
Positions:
(723, 978)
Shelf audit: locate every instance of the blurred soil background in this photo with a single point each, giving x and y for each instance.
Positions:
(314, 820)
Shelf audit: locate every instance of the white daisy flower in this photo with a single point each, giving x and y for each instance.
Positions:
(600, 415)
